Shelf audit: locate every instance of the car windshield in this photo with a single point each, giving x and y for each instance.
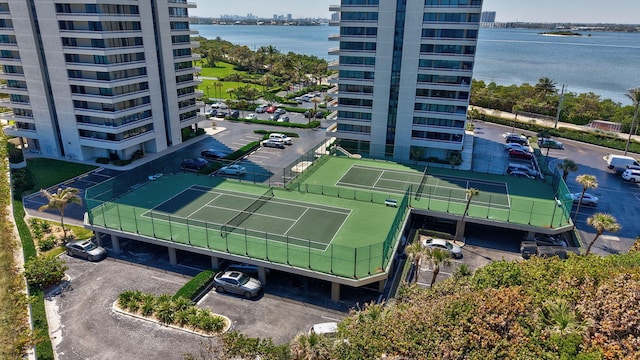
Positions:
(89, 246)
(243, 279)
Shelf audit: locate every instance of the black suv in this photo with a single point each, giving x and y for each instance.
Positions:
(194, 164)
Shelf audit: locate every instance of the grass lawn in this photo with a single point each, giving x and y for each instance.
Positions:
(49, 172)
(221, 70)
(221, 92)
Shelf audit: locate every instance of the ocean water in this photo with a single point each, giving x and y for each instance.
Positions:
(605, 63)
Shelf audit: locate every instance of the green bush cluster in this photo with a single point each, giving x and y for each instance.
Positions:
(15, 155)
(238, 345)
(179, 311)
(22, 180)
(195, 286)
(44, 271)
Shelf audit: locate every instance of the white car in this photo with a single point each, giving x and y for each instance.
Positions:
(251, 116)
(511, 146)
(453, 250)
(631, 175)
(588, 199)
(219, 105)
(232, 170)
(521, 174)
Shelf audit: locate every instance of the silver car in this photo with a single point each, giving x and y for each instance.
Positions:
(86, 249)
(237, 282)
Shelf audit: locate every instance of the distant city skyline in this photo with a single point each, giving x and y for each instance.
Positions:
(574, 11)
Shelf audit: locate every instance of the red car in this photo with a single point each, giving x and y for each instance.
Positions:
(271, 109)
(520, 154)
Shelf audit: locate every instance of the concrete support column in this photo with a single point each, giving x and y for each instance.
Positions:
(381, 286)
(262, 275)
(115, 244)
(98, 238)
(215, 263)
(173, 259)
(335, 291)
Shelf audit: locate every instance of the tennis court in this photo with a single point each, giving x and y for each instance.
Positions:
(234, 212)
(432, 186)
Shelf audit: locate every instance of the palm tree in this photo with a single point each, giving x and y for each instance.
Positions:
(560, 317)
(567, 166)
(315, 101)
(437, 257)
(309, 347)
(516, 109)
(587, 182)
(545, 86)
(218, 85)
(634, 95)
(470, 193)
(415, 250)
(59, 201)
(601, 222)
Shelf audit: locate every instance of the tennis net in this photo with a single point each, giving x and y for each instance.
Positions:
(422, 182)
(248, 211)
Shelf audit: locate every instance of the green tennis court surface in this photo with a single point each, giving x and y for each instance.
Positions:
(345, 237)
(439, 187)
(235, 212)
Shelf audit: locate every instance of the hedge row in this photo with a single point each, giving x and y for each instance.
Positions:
(313, 124)
(196, 286)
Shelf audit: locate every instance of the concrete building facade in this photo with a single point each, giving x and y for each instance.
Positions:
(100, 78)
(404, 76)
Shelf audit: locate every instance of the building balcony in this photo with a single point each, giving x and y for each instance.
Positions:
(187, 83)
(334, 51)
(350, 135)
(7, 103)
(192, 57)
(442, 101)
(10, 61)
(100, 34)
(9, 116)
(110, 99)
(13, 130)
(117, 144)
(334, 37)
(108, 83)
(105, 67)
(112, 114)
(92, 51)
(114, 129)
(5, 89)
(11, 76)
(335, 8)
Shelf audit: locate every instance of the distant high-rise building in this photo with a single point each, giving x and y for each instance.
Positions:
(289, 17)
(404, 76)
(90, 79)
(488, 19)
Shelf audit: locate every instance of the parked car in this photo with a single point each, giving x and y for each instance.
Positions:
(271, 109)
(549, 240)
(522, 167)
(232, 170)
(587, 199)
(274, 143)
(520, 154)
(86, 249)
(285, 139)
(194, 164)
(528, 249)
(284, 119)
(516, 146)
(631, 175)
(251, 116)
(213, 154)
(519, 139)
(453, 250)
(219, 105)
(620, 163)
(550, 143)
(221, 114)
(236, 282)
(211, 112)
(234, 114)
(324, 328)
(280, 111)
(521, 174)
(260, 109)
(274, 117)
(320, 115)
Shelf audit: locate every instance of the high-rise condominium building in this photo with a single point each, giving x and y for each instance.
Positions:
(404, 76)
(97, 78)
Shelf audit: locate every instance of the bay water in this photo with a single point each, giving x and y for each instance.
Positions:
(605, 63)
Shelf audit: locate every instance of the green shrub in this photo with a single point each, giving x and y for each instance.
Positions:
(243, 150)
(120, 162)
(44, 271)
(22, 181)
(102, 160)
(15, 155)
(47, 243)
(196, 285)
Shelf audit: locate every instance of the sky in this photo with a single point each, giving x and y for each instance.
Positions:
(575, 11)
